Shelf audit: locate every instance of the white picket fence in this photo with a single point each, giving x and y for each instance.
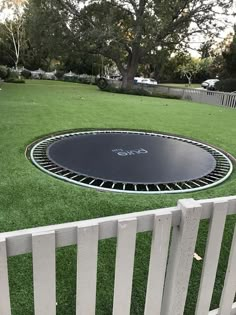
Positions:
(195, 95)
(200, 95)
(174, 238)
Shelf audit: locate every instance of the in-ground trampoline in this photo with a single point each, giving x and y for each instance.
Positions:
(133, 162)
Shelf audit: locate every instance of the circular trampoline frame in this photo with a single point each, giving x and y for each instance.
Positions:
(38, 156)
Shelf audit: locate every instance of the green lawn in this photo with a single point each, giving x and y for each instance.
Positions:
(31, 198)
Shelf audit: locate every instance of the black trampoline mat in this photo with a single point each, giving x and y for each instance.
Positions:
(131, 158)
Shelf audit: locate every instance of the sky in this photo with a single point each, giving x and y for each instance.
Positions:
(198, 39)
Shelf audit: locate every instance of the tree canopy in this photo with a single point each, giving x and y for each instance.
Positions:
(12, 30)
(229, 55)
(136, 35)
(128, 31)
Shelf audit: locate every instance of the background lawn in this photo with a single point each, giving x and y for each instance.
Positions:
(31, 198)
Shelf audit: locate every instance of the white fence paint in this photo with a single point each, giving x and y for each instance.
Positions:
(44, 272)
(195, 95)
(168, 279)
(87, 241)
(200, 95)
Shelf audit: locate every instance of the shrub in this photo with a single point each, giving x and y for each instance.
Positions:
(14, 80)
(59, 74)
(3, 72)
(89, 79)
(137, 91)
(13, 75)
(227, 85)
(162, 95)
(72, 78)
(26, 74)
(36, 75)
(48, 76)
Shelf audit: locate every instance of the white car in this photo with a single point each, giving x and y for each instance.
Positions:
(209, 84)
(148, 81)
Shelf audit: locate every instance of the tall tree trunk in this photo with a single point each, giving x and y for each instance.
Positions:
(128, 79)
(131, 70)
(16, 64)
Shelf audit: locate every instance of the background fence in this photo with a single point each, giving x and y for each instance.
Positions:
(174, 235)
(201, 96)
(195, 95)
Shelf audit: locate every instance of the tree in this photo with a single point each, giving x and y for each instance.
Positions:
(206, 49)
(47, 34)
(13, 28)
(223, 63)
(189, 68)
(204, 67)
(229, 55)
(128, 31)
(217, 69)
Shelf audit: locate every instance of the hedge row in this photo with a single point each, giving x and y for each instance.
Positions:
(228, 85)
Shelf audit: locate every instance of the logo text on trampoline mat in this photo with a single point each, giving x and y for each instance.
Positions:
(122, 152)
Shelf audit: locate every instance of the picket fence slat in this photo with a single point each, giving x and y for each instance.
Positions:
(229, 290)
(216, 311)
(125, 252)
(211, 257)
(181, 258)
(5, 305)
(167, 284)
(157, 265)
(202, 96)
(199, 95)
(20, 242)
(87, 252)
(44, 273)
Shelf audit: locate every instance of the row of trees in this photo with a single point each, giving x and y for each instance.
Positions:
(147, 36)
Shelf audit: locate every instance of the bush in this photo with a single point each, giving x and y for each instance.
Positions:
(14, 80)
(136, 91)
(89, 79)
(26, 74)
(36, 75)
(228, 85)
(49, 76)
(3, 72)
(72, 78)
(13, 75)
(162, 95)
(59, 74)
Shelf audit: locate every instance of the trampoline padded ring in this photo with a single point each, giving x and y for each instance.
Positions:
(129, 161)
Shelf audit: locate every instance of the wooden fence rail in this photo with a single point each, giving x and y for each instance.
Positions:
(174, 236)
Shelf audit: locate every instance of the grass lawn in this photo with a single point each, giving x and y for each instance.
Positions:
(183, 85)
(31, 198)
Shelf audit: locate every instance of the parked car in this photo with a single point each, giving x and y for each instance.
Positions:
(148, 81)
(209, 84)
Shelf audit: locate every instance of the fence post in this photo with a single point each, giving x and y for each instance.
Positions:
(5, 305)
(87, 252)
(180, 258)
(125, 252)
(211, 257)
(44, 272)
(157, 265)
(227, 297)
